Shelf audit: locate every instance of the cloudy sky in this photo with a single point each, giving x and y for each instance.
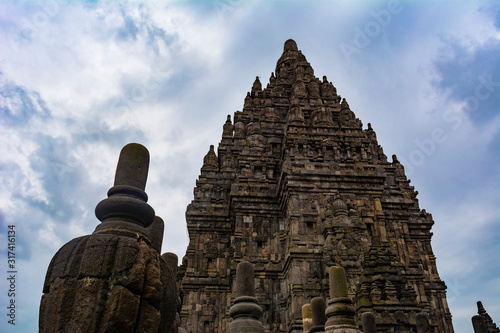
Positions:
(79, 80)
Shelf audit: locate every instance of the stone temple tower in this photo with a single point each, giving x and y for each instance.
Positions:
(295, 186)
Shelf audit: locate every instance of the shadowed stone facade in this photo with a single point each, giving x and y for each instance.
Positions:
(295, 186)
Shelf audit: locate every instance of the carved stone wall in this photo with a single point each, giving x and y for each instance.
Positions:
(296, 186)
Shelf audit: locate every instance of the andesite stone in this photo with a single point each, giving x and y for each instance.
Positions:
(296, 185)
(340, 311)
(306, 317)
(479, 324)
(114, 279)
(422, 323)
(318, 307)
(369, 325)
(490, 325)
(245, 311)
(295, 188)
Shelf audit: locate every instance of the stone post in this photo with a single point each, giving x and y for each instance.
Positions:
(245, 311)
(422, 323)
(306, 317)
(155, 233)
(170, 305)
(318, 307)
(479, 324)
(340, 311)
(368, 320)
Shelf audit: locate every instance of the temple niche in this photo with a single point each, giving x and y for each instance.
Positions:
(296, 186)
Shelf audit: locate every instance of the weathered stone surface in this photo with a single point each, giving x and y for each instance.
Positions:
(155, 233)
(340, 311)
(368, 320)
(338, 283)
(479, 324)
(422, 323)
(112, 280)
(170, 299)
(126, 207)
(245, 311)
(306, 317)
(318, 307)
(298, 187)
(245, 279)
(491, 327)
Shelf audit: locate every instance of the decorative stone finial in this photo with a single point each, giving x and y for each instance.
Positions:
(248, 101)
(422, 322)
(210, 161)
(344, 104)
(245, 311)
(338, 282)
(368, 320)
(272, 79)
(480, 308)
(340, 311)
(228, 128)
(295, 115)
(306, 317)
(318, 306)
(290, 45)
(126, 203)
(133, 166)
(245, 279)
(339, 208)
(257, 86)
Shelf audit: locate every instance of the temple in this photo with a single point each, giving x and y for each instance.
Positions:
(295, 186)
(299, 223)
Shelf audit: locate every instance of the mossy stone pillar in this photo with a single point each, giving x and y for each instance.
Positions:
(245, 310)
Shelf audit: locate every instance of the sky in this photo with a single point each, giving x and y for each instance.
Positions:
(79, 80)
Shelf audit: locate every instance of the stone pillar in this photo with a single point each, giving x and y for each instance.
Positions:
(155, 233)
(368, 320)
(479, 324)
(340, 311)
(422, 323)
(245, 311)
(306, 317)
(318, 307)
(170, 305)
